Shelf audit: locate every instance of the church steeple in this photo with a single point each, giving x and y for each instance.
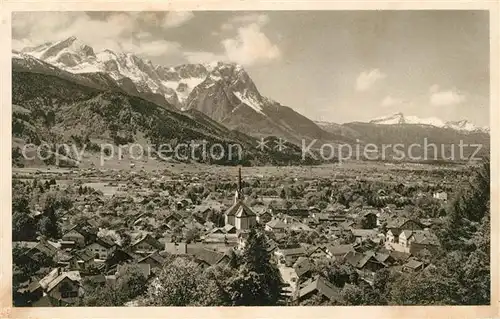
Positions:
(238, 194)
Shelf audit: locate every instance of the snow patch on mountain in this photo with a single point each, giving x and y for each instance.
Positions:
(174, 83)
(461, 125)
(400, 118)
(434, 121)
(250, 101)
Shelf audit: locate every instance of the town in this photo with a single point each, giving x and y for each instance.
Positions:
(330, 231)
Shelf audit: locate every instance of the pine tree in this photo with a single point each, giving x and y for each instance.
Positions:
(258, 282)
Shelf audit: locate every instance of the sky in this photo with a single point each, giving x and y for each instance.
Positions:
(337, 66)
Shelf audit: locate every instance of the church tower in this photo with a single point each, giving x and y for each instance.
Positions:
(238, 195)
(239, 214)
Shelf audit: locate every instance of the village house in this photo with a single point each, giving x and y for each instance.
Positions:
(399, 257)
(120, 256)
(413, 265)
(229, 229)
(317, 252)
(172, 217)
(264, 217)
(62, 287)
(385, 258)
(297, 209)
(81, 260)
(337, 252)
(299, 227)
(154, 260)
(322, 217)
(395, 226)
(413, 241)
(101, 248)
(287, 219)
(43, 246)
(303, 267)
(80, 235)
(276, 226)
(206, 257)
(365, 263)
(176, 249)
(221, 240)
(367, 219)
(318, 286)
(146, 244)
(362, 235)
(289, 256)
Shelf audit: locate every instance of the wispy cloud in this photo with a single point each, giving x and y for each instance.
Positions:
(445, 97)
(368, 78)
(116, 31)
(177, 18)
(250, 46)
(243, 41)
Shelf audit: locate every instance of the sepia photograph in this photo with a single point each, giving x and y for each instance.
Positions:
(216, 158)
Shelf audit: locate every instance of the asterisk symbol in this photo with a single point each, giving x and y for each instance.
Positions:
(281, 144)
(262, 144)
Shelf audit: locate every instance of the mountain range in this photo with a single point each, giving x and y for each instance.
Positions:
(117, 93)
(223, 91)
(400, 118)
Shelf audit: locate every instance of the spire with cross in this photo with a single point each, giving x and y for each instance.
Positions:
(239, 193)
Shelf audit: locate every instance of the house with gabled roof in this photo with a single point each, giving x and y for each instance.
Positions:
(206, 257)
(289, 256)
(303, 267)
(367, 218)
(276, 225)
(317, 252)
(62, 287)
(146, 244)
(412, 241)
(229, 229)
(81, 260)
(154, 260)
(318, 286)
(413, 265)
(176, 248)
(362, 235)
(337, 252)
(102, 247)
(366, 261)
(43, 246)
(80, 235)
(120, 256)
(398, 224)
(264, 216)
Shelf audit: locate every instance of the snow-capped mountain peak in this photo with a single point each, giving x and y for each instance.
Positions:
(397, 118)
(400, 118)
(461, 125)
(70, 52)
(173, 83)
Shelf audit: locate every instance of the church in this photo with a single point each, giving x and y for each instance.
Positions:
(239, 214)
